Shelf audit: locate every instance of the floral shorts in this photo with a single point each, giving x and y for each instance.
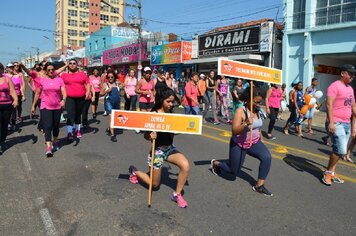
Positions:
(161, 155)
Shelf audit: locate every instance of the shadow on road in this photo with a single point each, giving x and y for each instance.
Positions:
(304, 165)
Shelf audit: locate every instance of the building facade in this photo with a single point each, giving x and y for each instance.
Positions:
(319, 36)
(76, 19)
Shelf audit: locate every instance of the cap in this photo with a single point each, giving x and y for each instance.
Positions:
(202, 75)
(147, 69)
(9, 65)
(348, 67)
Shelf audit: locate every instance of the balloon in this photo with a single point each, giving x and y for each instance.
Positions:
(304, 109)
(318, 94)
(312, 101)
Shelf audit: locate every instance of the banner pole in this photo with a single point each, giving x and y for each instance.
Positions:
(251, 109)
(151, 173)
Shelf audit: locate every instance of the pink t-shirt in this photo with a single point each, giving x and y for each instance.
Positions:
(146, 86)
(5, 97)
(344, 98)
(17, 81)
(191, 90)
(75, 83)
(95, 82)
(274, 100)
(130, 86)
(51, 94)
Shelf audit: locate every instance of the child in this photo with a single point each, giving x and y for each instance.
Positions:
(164, 151)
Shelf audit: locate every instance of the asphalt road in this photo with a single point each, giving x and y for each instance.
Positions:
(84, 188)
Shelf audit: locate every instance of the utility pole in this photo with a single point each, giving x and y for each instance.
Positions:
(38, 53)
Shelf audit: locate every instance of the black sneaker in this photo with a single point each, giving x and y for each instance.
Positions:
(262, 189)
(94, 116)
(113, 139)
(271, 137)
(214, 168)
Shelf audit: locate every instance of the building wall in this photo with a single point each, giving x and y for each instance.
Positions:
(87, 16)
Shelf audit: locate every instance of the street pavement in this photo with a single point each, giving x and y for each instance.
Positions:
(84, 188)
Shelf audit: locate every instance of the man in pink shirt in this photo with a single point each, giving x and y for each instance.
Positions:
(340, 102)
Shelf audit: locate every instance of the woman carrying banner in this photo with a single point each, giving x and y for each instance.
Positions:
(164, 151)
(241, 143)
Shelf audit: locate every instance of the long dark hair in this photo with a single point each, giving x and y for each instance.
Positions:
(246, 95)
(161, 95)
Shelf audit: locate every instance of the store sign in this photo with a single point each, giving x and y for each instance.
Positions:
(171, 53)
(95, 61)
(266, 36)
(159, 122)
(327, 70)
(248, 71)
(232, 41)
(127, 53)
(122, 32)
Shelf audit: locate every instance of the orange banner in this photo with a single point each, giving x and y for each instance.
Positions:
(249, 71)
(160, 122)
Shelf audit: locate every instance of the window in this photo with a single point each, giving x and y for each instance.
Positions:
(84, 4)
(84, 14)
(104, 42)
(72, 13)
(104, 17)
(84, 24)
(82, 43)
(115, 1)
(72, 22)
(115, 10)
(115, 19)
(89, 47)
(96, 44)
(335, 11)
(298, 14)
(73, 3)
(105, 8)
(72, 42)
(83, 33)
(72, 32)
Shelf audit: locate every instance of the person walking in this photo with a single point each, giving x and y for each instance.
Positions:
(273, 103)
(202, 91)
(78, 90)
(53, 97)
(8, 102)
(130, 94)
(311, 90)
(299, 103)
(340, 106)
(222, 87)
(164, 151)
(211, 97)
(237, 90)
(181, 86)
(190, 102)
(292, 109)
(95, 82)
(146, 90)
(241, 143)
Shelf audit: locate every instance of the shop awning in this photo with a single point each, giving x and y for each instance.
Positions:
(244, 57)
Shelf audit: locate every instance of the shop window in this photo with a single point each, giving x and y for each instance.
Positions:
(298, 14)
(335, 11)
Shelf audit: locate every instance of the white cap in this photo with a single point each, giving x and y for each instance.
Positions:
(202, 75)
(9, 65)
(147, 69)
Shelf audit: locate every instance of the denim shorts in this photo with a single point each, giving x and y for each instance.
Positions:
(340, 138)
(109, 106)
(161, 155)
(310, 114)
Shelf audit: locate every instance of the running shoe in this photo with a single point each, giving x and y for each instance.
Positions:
(271, 137)
(216, 122)
(79, 135)
(113, 138)
(205, 121)
(70, 137)
(336, 179)
(326, 178)
(133, 178)
(49, 152)
(180, 106)
(214, 169)
(178, 198)
(105, 113)
(94, 116)
(263, 190)
(55, 146)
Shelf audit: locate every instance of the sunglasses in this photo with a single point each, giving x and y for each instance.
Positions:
(110, 77)
(257, 102)
(50, 70)
(72, 63)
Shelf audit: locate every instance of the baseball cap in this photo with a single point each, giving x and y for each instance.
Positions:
(202, 75)
(10, 65)
(147, 69)
(348, 67)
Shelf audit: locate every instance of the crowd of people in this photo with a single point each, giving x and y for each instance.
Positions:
(72, 92)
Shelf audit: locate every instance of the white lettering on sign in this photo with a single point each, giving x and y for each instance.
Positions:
(224, 40)
(121, 32)
(157, 119)
(150, 125)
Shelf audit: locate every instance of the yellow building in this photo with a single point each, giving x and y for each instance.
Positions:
(75, 19)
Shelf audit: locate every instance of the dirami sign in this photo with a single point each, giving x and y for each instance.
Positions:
(124, 54)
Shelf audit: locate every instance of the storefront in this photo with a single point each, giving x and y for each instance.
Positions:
(256, 42)
(171, 56)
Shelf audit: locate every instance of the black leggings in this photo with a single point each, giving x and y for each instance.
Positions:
(5, 113)
(130, 102)
(85, 111)
(74, 107)
(272, 118)
(50, 121)
(96, 101)
(237, 158)
(16, 112)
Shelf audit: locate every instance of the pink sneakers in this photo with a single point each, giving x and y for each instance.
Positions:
(79, 135)
(179, 200)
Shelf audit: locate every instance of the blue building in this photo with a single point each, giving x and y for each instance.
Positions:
(104, 39)
(319, 36)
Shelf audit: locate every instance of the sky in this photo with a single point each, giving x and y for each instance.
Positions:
(26, 25)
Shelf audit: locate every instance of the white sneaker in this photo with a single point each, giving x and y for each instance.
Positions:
(137, 131)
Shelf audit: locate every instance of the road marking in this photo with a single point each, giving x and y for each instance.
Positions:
(353, 180)
(291, 148)
(25, 161)
(46, 218)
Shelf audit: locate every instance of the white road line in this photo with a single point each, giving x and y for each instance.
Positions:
(25, 161)
(47, 222)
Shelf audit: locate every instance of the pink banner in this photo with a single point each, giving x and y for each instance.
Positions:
(125, 54)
